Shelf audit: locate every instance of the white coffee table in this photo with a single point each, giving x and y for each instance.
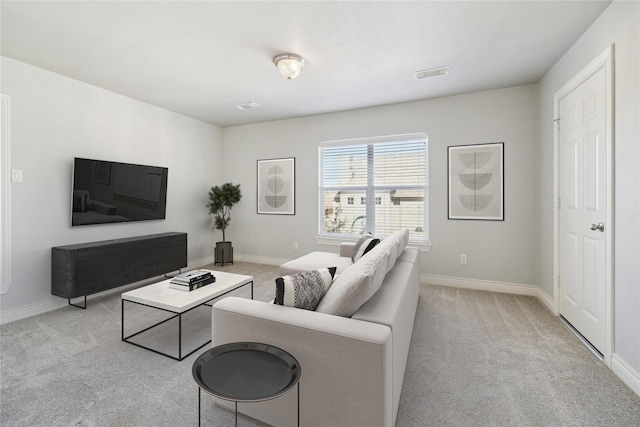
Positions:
(160, 296)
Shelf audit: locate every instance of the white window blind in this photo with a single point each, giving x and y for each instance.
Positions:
(388, 175)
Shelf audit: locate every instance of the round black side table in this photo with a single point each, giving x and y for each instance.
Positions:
(246, 372)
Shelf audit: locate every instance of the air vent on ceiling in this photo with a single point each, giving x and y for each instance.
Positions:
(247, 106)
(433, 72)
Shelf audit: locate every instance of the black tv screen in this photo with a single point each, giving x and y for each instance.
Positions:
(112, 192)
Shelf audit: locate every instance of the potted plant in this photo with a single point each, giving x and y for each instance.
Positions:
(221, 200)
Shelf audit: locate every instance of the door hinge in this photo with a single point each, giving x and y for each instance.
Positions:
(558, 202)
(557, 122)
(558, 281)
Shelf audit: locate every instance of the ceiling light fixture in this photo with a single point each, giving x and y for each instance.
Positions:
(289, 65)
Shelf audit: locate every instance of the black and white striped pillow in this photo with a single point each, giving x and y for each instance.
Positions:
(304, 290)
(364, 245)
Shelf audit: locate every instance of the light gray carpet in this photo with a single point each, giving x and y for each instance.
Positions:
(476, 359)
(491, 359)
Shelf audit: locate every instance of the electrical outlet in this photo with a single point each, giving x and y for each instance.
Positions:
(463, 258)
(295, 245)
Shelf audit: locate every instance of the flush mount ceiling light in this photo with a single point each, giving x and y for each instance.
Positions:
(433, 72)
(289, 65)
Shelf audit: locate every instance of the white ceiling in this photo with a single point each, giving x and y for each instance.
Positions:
(203, 58)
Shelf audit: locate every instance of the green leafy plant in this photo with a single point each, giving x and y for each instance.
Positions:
(334, 224)
(221, 200)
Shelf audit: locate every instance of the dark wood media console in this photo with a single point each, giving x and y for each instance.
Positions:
(86, 268)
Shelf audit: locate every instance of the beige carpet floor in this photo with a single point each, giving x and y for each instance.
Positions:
(476, 359)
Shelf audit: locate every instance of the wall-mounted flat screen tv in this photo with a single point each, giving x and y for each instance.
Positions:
(112, 192)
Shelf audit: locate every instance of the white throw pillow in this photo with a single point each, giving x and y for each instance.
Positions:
(362, 280)
(362, 246)
(354, 286)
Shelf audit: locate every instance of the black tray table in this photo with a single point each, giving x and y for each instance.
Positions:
(246, 372)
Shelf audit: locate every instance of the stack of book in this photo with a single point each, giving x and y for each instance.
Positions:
(192, 280)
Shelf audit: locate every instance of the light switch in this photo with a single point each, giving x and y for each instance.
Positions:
(16, 175)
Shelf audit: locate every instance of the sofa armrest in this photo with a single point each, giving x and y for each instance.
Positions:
(346, 364)
(346, 249)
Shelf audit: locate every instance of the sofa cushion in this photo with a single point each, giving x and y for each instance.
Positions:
(304, 290)
(393, 245)
(362, 246)
(362, 280)
(354, 286)
(315, 260)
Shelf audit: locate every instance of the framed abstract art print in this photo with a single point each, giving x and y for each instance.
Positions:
(476, 181)
(276, 186)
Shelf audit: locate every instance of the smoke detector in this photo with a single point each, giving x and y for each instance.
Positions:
(433, 72)
(247, 106)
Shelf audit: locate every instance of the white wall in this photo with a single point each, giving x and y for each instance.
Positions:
(55, 119)
(618, 25)
(497, 250)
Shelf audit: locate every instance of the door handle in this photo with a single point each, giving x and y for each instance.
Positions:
(598, 226)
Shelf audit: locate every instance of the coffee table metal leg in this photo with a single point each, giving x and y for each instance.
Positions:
(236, 413)
(180, 336)
(199, 392)
(298, 403)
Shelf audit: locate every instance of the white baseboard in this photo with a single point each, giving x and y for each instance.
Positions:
(546, 300)
(491, 286)
(29, 310)
(626, 373)
(260, 259)
(480, 285)
(200, 262)
(241, 258)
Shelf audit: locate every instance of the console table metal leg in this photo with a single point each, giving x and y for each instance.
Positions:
(79, 306)
(122, 319)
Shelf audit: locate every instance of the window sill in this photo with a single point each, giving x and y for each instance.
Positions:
(423, 246)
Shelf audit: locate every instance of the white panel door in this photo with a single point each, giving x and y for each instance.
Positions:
(583, 201)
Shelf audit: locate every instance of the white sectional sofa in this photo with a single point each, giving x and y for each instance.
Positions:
(352, 364)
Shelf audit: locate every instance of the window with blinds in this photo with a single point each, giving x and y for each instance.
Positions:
(376, 185)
